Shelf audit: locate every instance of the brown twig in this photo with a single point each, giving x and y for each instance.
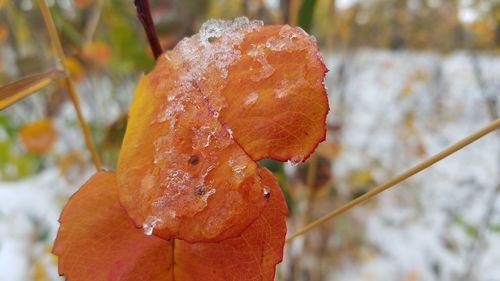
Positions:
(144, 14)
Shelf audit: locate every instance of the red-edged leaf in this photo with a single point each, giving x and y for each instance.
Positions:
(97, 241)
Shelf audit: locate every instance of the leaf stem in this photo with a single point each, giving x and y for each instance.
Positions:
(491, 127)
(58, 50)
(144, 14)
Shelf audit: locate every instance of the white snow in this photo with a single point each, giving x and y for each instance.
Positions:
(413, 226)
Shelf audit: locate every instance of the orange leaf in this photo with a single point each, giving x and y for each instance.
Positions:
(75, 68)
(38, 136)
(266, 82)
(253, 256)
(97, 241)
(287, 119)
(83, 3)
(181, 171)
(97, 53)
(4, 32)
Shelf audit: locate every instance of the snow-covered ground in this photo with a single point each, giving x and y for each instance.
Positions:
(398, 108)
(29, 210)
(395, 109)
(443, 224)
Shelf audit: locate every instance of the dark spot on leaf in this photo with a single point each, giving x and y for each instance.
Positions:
(199, 190)
(193, 160)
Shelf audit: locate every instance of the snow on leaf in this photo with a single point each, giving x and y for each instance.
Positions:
(181, 169)
(97, 241)
(203, 116)
(269, 89)
(253, 256)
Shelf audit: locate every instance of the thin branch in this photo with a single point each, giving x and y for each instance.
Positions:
(491, 127)
(312, 170)
(293, 11)
(144, 14)
(93, 22)
(19, 89)
(56, 45)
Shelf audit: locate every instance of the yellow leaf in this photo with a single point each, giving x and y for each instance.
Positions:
(39, 136)
(361, 179)
(97, 53)
(39, 272)
(406, 90)
(75, 68)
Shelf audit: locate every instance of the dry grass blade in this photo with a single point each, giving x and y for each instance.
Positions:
(491, 127)
(17, 90)
(58, 50)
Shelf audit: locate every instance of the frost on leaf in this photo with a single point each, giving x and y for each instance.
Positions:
(97, 241)
(269, 89)
(181, 174)
(253, 256)
(235, 93)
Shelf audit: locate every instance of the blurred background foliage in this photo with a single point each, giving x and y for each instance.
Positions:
(107, 50)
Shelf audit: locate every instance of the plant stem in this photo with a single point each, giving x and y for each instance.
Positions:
(19, 89)
(93, 22)
(144, 14)
(491, 127)
(58, 50)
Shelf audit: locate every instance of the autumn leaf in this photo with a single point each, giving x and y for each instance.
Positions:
(176, 160)
(83, 3)
(38, 136)
(97, 241)
(75, 68)
(4, 33)
(222, 99)
(97, 53)
(187, 171)
(265, 81)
